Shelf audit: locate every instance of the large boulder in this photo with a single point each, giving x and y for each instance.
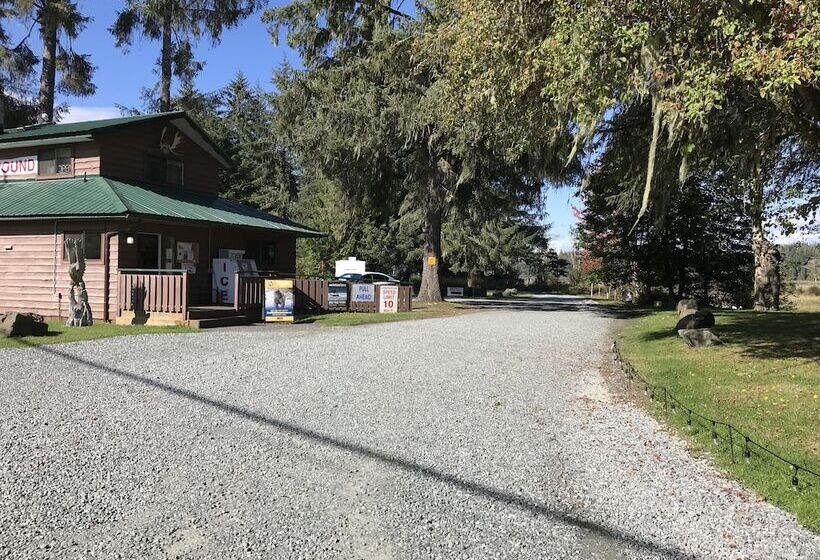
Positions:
(699, 337)
(697, 320)
(16, 324)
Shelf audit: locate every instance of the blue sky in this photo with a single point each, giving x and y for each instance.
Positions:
(120, 77)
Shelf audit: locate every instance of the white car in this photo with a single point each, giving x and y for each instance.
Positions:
(377, 278)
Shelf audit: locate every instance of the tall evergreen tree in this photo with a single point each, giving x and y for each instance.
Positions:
(263, 172)
(16, 66)
(178, 24)
(59, 22)
(359, 113)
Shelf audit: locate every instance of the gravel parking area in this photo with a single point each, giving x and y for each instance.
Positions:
(487, 435)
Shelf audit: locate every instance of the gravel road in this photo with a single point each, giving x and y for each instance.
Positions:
(487, 435)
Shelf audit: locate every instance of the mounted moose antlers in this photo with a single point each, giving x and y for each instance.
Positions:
(171, 148)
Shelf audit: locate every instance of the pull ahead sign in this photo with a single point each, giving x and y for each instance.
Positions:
(15, 167)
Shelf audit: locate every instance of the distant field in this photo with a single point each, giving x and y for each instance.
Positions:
(765, 380)
(805, 302)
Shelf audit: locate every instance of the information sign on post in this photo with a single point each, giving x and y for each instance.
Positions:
(388, 299)
(279, 301)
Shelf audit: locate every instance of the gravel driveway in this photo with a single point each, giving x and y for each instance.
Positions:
(487, 435)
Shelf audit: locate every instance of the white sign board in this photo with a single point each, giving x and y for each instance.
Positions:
(453, 291)
(224, 277)
(16, 167)
(363, 293)
(350, 266)
(223, 280)
(388, 299)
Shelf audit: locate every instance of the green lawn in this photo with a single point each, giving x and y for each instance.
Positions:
(58, 333)
(420, 311)
(765, 381)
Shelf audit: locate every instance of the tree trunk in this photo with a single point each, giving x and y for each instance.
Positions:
(48, 74)
(766, 255)
(165, 64)
(430, 289)
(2, 105)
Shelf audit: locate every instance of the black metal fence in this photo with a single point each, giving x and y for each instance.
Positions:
(734, 439)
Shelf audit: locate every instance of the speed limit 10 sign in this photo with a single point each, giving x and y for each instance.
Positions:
(388, 299)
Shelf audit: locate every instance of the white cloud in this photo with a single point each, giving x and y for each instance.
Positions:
(562, 243)
(77, 114)
(795, 237)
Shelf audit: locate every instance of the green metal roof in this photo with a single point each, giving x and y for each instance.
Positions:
(101, 196)
(84, 127)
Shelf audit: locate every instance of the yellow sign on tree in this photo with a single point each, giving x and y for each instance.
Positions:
(431, 260)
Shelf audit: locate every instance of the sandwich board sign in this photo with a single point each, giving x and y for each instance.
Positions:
(388, 299)
(279, 301)
(363, 293)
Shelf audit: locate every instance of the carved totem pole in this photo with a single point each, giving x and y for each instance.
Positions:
(79, 312)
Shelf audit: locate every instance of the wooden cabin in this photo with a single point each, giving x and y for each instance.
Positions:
(141, 193)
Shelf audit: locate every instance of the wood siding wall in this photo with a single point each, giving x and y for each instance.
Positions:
(33, 271)
(86, 158)
(124, 153)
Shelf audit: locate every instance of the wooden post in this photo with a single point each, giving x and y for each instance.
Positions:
(236, 290)
(185, 295)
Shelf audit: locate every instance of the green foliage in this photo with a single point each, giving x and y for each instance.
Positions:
(699, 240)
(530, 70)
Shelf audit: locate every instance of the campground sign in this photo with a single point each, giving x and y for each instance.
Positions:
(18, 167)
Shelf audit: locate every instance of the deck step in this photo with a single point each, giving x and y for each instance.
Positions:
(213, 322)
(211, 312)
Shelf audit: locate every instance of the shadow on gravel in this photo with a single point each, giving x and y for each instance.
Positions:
(594, 529)
(553, 303)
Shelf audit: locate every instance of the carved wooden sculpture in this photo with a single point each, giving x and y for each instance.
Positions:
(79, 312)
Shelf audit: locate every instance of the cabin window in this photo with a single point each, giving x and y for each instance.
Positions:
(167, 171)
(91, 242)
(155, 169)
(264, 253)
(175, 172)
(56, 161)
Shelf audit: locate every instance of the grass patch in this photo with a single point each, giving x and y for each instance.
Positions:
(59, 333)
(765, 380)
(420, 311)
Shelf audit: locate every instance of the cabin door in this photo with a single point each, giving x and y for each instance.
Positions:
(148, 251)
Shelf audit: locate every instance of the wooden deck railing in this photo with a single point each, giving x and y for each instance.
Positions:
(153, 291)
(249, 292)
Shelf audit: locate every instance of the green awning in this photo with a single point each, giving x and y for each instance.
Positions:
(101, 196)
